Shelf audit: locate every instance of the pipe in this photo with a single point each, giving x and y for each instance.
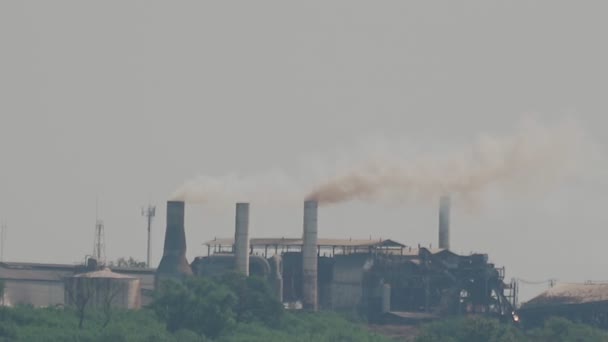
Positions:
(386, 298)
(173, 263)
(309, 257)
(241, 238)
(444, 222)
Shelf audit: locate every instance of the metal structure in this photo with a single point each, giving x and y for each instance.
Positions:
(99, 246)
(103, 287)
(149, 213)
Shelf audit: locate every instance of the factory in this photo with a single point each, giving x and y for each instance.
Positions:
(383, 279)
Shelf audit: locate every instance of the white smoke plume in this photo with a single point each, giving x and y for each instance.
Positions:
(535, 156)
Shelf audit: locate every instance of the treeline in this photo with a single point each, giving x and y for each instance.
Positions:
(480, 329)
(233, 308)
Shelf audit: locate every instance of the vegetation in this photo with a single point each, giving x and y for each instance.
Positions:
(230, 309)
(489, 330)
(235, 308)
(127, 263)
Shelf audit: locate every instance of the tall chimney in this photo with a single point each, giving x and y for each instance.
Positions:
(174, 264)
(309, 257)
(444, 222)
(241, 238)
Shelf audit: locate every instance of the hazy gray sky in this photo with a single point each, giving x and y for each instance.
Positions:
(125, 100)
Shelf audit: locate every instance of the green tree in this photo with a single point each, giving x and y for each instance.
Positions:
(472, 329)
(196, 304)
(128, 263)
(255, 300)
(557, 329)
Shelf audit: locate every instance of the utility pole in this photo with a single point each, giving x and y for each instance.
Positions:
(149, 213)
(3, 228)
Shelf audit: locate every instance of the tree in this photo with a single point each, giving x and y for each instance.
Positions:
(255, 299)
(79, 292)
(128, 263)
(196, 304)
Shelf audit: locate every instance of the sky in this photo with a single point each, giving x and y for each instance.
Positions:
(120, 102)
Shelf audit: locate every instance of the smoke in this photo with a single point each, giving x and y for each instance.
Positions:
(271, 188)
(533, 157)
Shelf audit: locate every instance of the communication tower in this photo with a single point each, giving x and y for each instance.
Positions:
(149, 213)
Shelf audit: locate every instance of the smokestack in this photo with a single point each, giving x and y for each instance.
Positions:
(174, 264)
(241, 238)
(309, 257)
(444, 222)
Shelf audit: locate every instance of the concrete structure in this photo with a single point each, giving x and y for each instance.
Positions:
(173, 264)
(101, 288)
(444, 222)
(241, 238)
(309, 257)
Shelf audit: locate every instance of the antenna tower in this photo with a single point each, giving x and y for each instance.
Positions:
(99, 245)
(149, 213)
(99, 249)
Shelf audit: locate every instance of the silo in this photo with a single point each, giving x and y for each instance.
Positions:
(101, 288)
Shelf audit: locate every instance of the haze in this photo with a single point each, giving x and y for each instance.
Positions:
(124, 101)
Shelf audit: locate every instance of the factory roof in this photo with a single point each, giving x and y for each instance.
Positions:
(568, 293)
(287, 242)
(103, 273)
(21, 271)
(35, 272)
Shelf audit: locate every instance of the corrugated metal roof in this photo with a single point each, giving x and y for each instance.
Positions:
(103, 273)
(566, 293)
(33, 273)
(285, 242)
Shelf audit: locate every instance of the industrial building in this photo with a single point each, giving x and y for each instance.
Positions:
(578, 302)
(43, 285)
(384, 279)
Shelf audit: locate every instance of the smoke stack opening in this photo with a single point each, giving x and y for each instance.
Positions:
(444, 222)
